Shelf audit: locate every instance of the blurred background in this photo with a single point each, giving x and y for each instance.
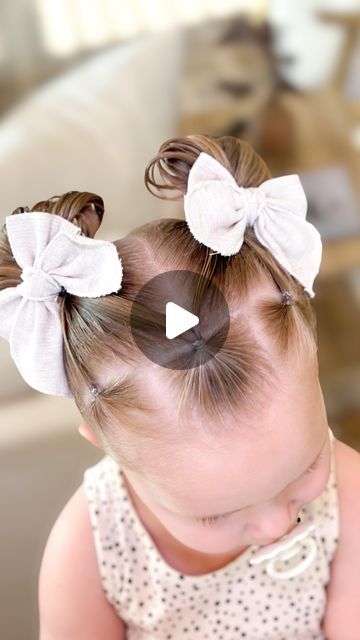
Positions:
(89, 89)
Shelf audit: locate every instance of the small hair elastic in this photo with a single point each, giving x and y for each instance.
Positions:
(287, 298)
(198, 344)
(62, 292)
(94, 390)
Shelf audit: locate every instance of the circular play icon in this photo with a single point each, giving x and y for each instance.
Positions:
(179, 319)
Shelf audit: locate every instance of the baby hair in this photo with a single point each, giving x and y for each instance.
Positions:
(270, 313)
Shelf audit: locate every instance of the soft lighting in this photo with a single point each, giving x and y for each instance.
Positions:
(71, 25)
(57, 26)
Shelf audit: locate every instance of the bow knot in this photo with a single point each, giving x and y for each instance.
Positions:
(38, 285)
(253, 201)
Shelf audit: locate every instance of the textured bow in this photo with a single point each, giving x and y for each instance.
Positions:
(53, 255)
(218, 211)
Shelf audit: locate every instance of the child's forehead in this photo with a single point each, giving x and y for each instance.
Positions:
(244, 465)
(246, 473)
(290, 405)
(216, 453)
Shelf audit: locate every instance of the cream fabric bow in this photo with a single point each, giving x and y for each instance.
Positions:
(53, 254)
(218, 211)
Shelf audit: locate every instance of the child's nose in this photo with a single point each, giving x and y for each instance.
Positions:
(276, 521)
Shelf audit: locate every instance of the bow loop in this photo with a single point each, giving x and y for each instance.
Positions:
(213, 217)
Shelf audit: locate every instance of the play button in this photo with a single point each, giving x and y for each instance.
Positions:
(179, 319)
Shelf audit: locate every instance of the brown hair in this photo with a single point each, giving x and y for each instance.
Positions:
(97, 332)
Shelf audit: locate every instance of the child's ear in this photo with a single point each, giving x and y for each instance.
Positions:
(86, 432)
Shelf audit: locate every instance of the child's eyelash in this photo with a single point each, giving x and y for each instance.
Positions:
(313, 466)
(212, 519)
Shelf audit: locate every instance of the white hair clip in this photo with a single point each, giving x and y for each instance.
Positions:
(218, 211)
(55, 259)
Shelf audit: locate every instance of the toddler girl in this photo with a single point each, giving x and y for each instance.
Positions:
(217, 508)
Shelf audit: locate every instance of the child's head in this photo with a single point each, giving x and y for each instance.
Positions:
(264, 467)
(189, 439)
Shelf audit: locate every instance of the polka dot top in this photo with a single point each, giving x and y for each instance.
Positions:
(273, 591)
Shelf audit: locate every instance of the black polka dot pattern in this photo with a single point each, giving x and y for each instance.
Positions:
(235, 602)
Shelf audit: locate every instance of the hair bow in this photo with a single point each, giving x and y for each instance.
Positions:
(53, 255)
(218, 211)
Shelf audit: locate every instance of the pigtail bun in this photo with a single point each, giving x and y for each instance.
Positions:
(176, 156)
(85, 210)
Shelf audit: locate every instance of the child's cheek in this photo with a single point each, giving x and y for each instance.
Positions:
(221, 538)
(314, 483)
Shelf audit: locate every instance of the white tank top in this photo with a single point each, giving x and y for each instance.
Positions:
(282, 596)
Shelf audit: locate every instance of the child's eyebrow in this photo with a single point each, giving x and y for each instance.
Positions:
(228, 513)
